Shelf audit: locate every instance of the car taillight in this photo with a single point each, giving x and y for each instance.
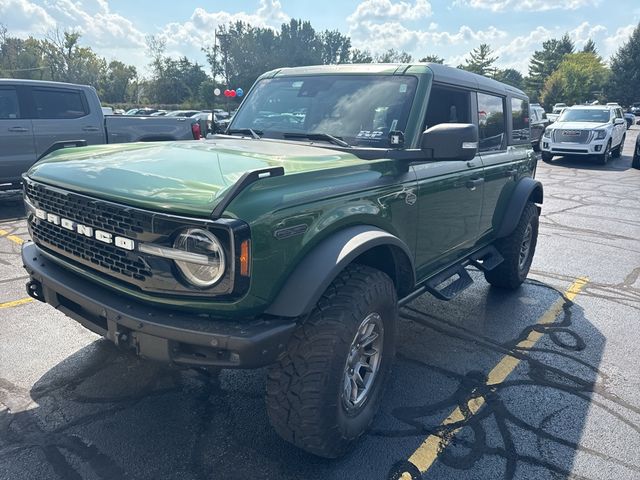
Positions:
(195, 129)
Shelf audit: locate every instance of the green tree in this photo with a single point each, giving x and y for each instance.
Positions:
(361, 56)
(546, 61)
(511, 77)
(335, 47)
(117, 82)
(590, 47)
(579, 78)
(393, 56)
(432, 59)
(624, 86)
(480, 60)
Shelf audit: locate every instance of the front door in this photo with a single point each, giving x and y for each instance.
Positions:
(18, 152)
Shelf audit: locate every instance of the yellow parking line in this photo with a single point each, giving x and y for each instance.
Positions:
(16, 303)
(427, 453)
(13, 238)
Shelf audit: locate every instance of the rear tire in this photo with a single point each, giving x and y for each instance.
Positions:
(518, 250)
(324, 392)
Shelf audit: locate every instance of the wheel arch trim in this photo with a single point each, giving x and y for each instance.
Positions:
(315, 272)
(527, 189)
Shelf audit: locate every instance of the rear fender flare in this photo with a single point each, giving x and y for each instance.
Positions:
(527, 189)
(315, 272)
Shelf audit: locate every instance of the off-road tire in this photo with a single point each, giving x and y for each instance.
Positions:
(512, 272)
(604, 157)
(617, 152)
(304, 388)
(546, 157)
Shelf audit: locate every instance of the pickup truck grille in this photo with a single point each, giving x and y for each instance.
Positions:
(123, 264)
(571, 136)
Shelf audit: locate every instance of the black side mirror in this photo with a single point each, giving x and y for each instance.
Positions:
(450, 141)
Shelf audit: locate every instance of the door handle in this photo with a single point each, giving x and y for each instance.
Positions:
(18, 129)
(475, 183)
(90, 129)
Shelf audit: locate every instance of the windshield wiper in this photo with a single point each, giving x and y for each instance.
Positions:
(256, 134)
(317, 136)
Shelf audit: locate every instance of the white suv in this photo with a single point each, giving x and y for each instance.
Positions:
(586, 130)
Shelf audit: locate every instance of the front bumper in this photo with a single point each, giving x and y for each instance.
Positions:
(155, 333)
(595, 147)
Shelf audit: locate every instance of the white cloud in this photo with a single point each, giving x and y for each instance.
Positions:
(615, 41)
(379, 37)
(25, 18)
(527, 5)
(387, 10)
(182, 37)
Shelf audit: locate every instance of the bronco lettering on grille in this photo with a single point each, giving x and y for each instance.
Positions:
(100, 235)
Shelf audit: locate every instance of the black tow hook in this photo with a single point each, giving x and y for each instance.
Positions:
(34, 290)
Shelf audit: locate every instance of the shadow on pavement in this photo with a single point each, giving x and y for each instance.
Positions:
(102, 413)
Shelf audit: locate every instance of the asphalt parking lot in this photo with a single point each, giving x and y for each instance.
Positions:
(543, 383)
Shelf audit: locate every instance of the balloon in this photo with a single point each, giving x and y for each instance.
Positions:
(227, 93)
(232, 93)
(216, 92)
(239, 92)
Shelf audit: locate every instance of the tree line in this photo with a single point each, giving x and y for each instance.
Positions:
(238, 53)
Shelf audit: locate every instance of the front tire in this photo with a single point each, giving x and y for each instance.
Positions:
(546, 157)
(606, 155)
(636, 159)
(324, 392)
(518, 250)
(617, 152)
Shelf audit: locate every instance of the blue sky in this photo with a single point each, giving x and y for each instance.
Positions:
(449, 28)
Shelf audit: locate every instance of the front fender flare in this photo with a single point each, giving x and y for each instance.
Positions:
(324, 262)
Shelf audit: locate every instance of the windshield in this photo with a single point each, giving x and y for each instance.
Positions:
(359, 109)
(585, 115)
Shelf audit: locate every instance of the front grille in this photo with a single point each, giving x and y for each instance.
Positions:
(84, 248)
(125, 265)
(95, 213)
(571, 136)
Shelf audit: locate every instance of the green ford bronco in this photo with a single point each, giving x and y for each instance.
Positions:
(336, 195)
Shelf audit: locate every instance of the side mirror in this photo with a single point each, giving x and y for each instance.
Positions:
(619, 121)
(450, 141)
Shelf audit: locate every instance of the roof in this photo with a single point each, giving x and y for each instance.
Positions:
(441, 74)
(40, 83)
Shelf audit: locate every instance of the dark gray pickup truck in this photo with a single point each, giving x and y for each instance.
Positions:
(38, 117)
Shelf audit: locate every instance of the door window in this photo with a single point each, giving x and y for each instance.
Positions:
(9, 104)
(491, 123)
(520, 132)
(55, 103)
(447, 105)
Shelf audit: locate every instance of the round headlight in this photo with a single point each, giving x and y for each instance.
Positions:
(203, 263)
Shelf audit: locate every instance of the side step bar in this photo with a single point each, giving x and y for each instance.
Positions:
(447, 284)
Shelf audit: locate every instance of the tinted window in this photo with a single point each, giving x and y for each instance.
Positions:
(594, 115)
(447, 106)
(491, 122)
(56, 103)
(9, 104)
(520, 118)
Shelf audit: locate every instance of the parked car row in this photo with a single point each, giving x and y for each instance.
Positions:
(212, 121)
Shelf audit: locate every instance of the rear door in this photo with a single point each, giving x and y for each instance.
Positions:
(505, 145)
(17, 151)
(63, 114)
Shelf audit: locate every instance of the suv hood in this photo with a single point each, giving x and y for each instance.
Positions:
(187, 177)
(579, 125)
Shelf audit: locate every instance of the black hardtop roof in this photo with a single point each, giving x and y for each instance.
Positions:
(441, 74)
